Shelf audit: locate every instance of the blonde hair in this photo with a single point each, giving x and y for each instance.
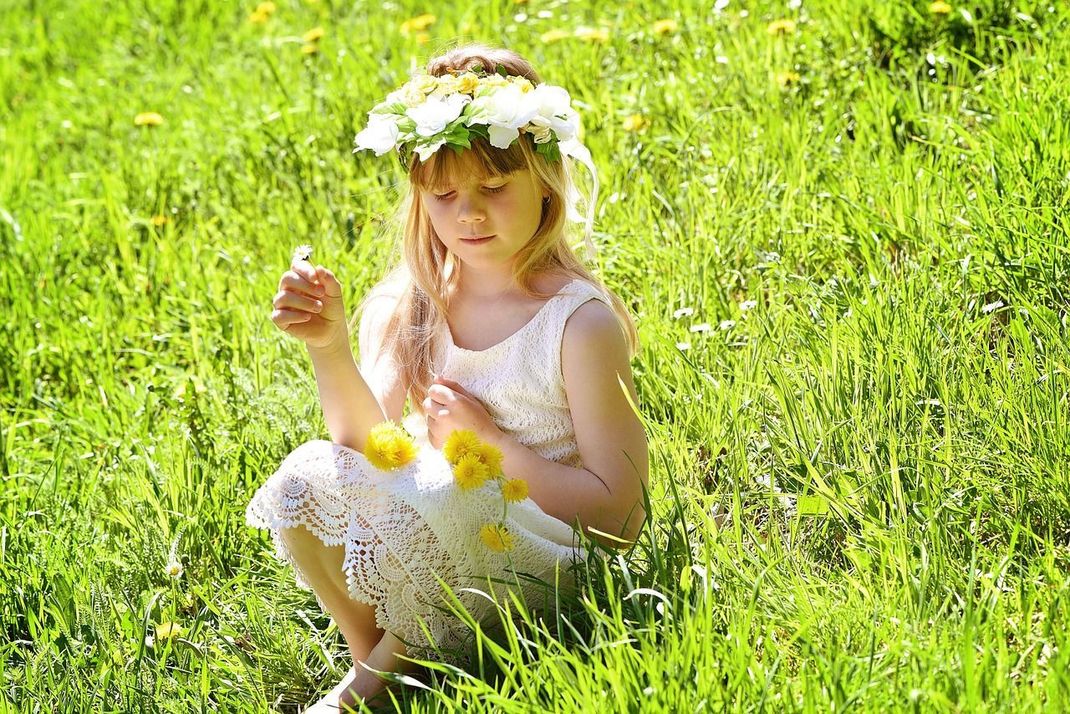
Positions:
(423, 276)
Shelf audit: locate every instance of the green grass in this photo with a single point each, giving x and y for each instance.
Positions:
(900, 225)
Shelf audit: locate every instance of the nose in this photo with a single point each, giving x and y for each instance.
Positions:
(469, 211)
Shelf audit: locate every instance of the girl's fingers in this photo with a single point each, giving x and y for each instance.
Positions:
(304, 269)
(292, 281)
(327, 279)
(285, 318)
(287, 299)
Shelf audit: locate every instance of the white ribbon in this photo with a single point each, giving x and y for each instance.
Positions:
(572, 147)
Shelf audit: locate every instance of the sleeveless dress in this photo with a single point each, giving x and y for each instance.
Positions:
(405, 529)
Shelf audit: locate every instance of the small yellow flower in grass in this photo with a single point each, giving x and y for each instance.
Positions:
(459, 443)
(515, 490)
(167, 630)
(665, 27)
(787, 78)
(417, 24)
(470, 472)
(159, 219)
(258, 18)
(592, 34)
(636, 122)
(316, 33)
(422, 38)
(148, 119)
(939, 8)
(389, 446)
(781, 27)
(309, 49)
(266, 7)
(551, 36)
(496, 537)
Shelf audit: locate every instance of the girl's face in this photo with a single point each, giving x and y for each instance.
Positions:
(506, 208)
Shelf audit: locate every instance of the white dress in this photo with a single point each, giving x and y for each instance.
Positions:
(402, 530)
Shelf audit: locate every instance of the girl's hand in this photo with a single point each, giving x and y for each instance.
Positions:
(309, 306)
(449, 407)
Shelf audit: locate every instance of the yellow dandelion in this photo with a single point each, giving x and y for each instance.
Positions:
(939, 8)
(417, 24)
(592, 34)
(554, 35)
(258, 18)
(515, 490)
(783, 26)
(470, 472)
(266, 8)
(635, 122)
(496, 537)
(167, 630)
(422, 38)
(148, 119)
(491, 456)
(309, 49)
(389, 446)
(459, 443)
(159, 219)
(665, 27)
(787, 78)
(316, 33)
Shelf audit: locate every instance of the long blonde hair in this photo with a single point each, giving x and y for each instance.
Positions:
(424, 274)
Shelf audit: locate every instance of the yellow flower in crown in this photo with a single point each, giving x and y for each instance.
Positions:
(389, 446)
(459, 443)
(496, 537)
(515, 490)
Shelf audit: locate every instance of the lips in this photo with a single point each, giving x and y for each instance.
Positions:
(476, 239)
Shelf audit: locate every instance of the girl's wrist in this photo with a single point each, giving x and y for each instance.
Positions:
(334, 348)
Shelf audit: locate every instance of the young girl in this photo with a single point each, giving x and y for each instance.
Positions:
(489, 323)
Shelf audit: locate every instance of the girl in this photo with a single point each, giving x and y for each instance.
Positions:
(490, 324)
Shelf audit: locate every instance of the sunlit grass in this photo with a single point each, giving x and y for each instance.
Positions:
(842, 228)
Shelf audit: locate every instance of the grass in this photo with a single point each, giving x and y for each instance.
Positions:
(851, 285)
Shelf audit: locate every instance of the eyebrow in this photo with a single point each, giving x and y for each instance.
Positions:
(493, 177)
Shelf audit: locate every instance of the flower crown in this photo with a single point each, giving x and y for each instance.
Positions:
(428, 112)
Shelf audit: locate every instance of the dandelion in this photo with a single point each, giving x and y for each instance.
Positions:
(515, 490)
(470, 472)
(787, 78)
(939, 8)
(258, 18)
(422, 38)
(313, 35)
(783, 26)
(159, 219)
(389, 446)
(148, 119)
(592, 34)
(665, 27)
(309, 49)
(460, 443)
(267, 8)
(417, 24)
(551, 36)
(168, 630)
(491, 456)
(496, 537)
(302, 252)
(636, 122)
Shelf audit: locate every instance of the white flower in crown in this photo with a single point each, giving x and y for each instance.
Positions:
(504, 112)
(380, 135)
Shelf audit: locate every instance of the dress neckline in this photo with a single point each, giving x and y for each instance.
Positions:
(526, 325)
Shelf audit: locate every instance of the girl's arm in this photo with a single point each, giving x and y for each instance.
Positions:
(352, 405)
(607, 493)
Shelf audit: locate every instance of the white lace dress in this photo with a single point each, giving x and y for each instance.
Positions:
(403, 530)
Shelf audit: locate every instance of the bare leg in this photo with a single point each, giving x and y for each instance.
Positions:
(366, 684)
(321, 567)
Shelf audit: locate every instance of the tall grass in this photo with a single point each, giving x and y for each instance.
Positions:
(851, 284)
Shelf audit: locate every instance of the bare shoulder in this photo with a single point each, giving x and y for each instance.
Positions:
(591, 326)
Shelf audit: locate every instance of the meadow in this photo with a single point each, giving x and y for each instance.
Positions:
(842, 229)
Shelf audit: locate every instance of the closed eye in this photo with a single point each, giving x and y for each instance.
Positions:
(488, 189)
